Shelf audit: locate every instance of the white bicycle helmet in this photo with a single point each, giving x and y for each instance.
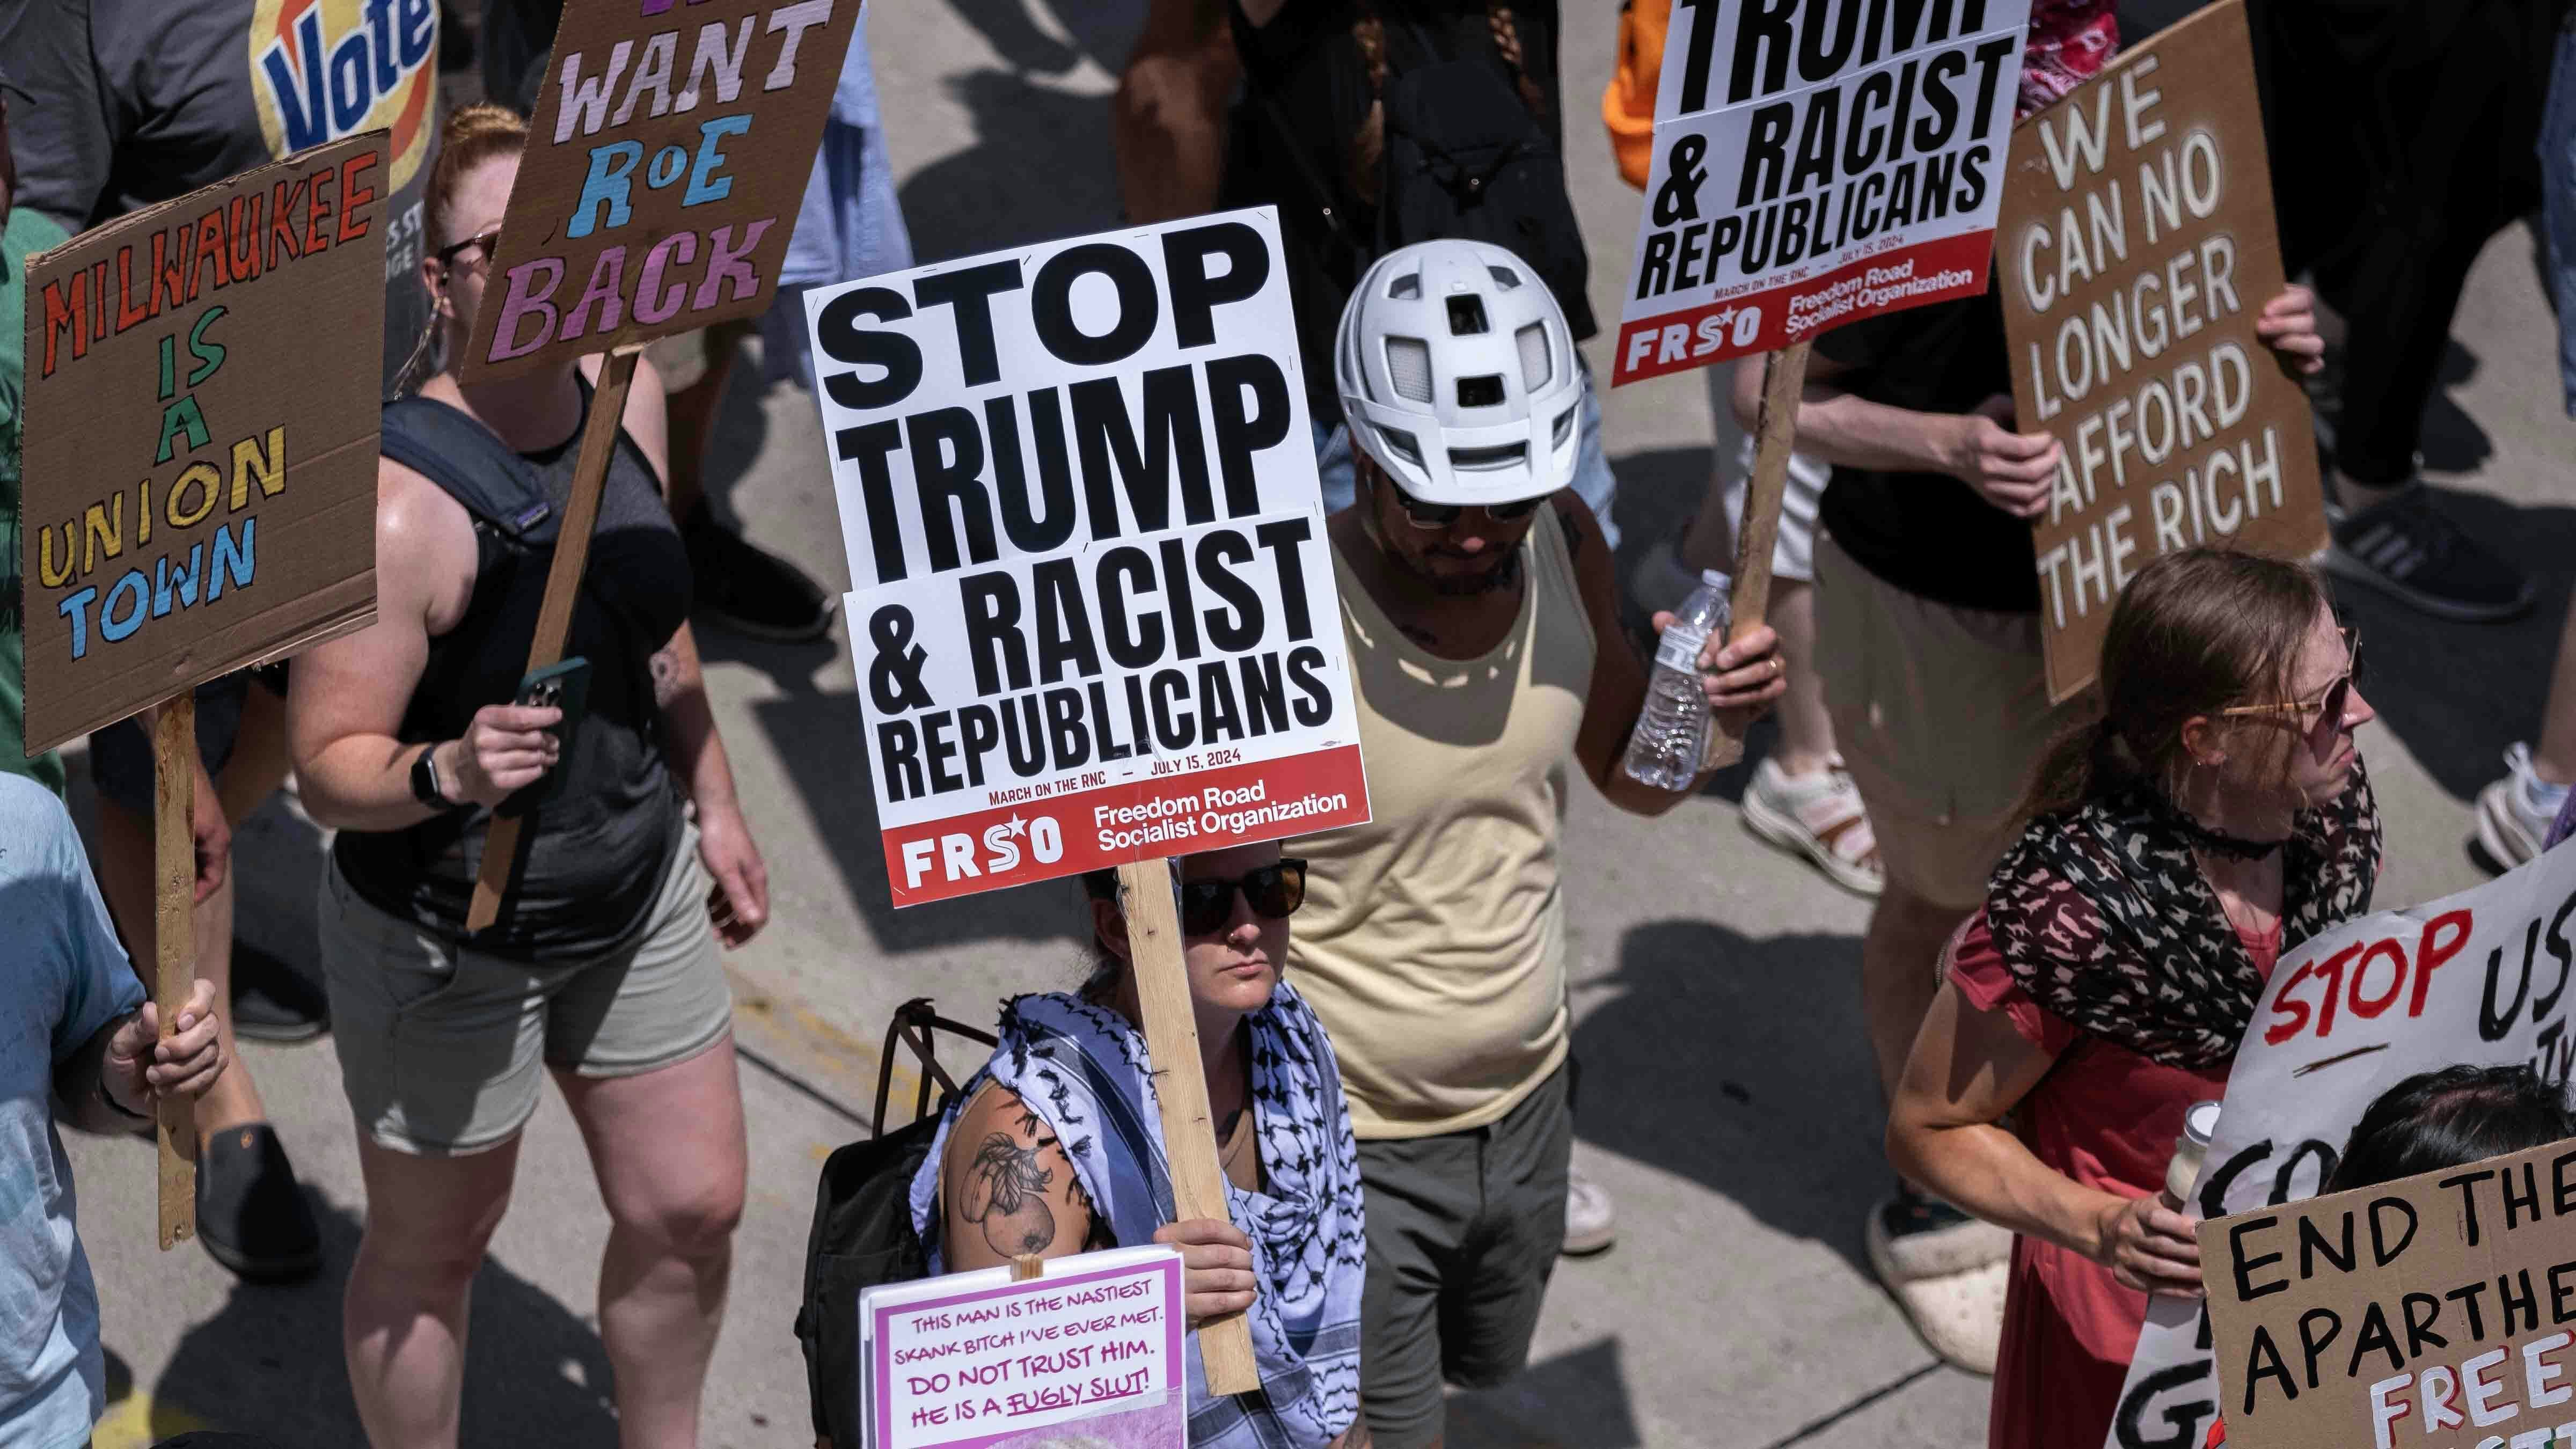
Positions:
(1457, 375)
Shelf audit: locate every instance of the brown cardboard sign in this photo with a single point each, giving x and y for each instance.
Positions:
(2437, 1310)
(200, 436)
(2136, 250)
(662, 176)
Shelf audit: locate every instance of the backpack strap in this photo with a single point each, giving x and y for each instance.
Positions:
(471, 464)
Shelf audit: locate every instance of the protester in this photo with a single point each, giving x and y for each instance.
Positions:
(24, 231)
(999, 1184)
(2216, 817)
(1335, 95)
(1928, 642)
(120, 104)
(603, 966)
(1486, 655)
(1800, 797)
(83, 1046)
(849, 225)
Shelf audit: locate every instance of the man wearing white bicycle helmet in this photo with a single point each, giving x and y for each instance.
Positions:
(1479, 607)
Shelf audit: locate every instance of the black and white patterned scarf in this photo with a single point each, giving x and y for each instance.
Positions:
(2103, 916)
(1084, 1070)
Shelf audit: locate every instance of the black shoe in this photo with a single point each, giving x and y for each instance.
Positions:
(748, 589)
(272, 1001)
(251, 1215)
(2409, 548)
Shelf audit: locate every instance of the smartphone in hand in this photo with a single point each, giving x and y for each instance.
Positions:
(564, 686)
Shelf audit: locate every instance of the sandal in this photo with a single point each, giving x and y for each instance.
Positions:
(1948, 1272)
(1819, 817)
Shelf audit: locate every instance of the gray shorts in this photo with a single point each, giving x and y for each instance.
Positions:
(1463, 1230)
(443, 1049)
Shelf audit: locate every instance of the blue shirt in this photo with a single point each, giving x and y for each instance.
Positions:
(62, 978)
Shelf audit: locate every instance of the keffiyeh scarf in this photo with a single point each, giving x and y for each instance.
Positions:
(2069, 43)
(2103, 916)
(1084, 1071)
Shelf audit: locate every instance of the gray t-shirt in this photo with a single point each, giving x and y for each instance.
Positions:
(117, 104)
(61, 980)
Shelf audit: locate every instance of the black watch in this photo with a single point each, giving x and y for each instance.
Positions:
(425, 784)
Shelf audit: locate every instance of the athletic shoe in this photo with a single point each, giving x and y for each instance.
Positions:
(748, 589)
(2515, 813)
(1590, 1224)
(251, 1215)
(1947, 1271)
(1819, 818)
(272, 1001)
(2408, 548)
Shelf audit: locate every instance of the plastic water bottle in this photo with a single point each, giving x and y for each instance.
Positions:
(1672, 733)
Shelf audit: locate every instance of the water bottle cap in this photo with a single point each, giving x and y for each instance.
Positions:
(2200, 1122)
(1716, 579)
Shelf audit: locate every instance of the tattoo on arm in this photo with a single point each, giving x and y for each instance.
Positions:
(665, 665)
(1573, 525)
(1006, 1192)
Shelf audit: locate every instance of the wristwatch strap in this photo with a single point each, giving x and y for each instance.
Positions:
(425, 784)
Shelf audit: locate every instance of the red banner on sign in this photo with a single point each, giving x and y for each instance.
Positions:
(1770, 319)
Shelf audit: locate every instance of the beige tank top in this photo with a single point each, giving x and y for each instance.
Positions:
(1432, 942)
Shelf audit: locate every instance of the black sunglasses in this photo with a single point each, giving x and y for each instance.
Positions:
(447, 254)
(1274, 892)
(1441, 515)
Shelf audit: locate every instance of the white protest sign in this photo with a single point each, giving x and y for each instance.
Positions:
(976, 1359)
(1093, 616)
(2481, 977)
(1816, 162)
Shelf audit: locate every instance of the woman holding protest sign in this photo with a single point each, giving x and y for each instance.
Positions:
(2215, 817)
(604, 968)
(1072, 1068)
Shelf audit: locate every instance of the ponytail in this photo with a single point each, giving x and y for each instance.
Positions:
(2085, 760)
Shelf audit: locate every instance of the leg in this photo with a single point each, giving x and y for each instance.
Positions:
(692, 413)
(403, 1315)
(2555, 760)
(1490, 1312)
(1421, 1194)
(1898, 979)
(1806, 732)
(668, 1148)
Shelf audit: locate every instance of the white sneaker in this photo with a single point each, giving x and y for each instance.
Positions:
(1819, 817)
(2515, 813)
(1590, 1224)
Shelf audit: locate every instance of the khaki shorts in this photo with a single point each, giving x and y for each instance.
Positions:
(1942, 714)
(443, 1049)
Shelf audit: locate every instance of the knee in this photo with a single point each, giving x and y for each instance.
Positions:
(692, 1225)
(429, 1260)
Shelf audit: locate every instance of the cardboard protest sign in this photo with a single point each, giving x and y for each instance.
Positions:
(978, 1359)
(662, 176)
(1094, 612)
(2137, 249)
(200, 436)
(2482, 977)
(1815, 164)
(2438, 1304)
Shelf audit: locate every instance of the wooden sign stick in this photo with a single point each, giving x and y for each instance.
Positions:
(563, 584)
(174, 938)
(1189, 1131)
(1784, 376)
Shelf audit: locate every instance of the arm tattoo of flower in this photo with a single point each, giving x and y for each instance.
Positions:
(1006, 1194)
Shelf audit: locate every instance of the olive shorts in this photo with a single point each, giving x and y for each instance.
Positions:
(443, 1049)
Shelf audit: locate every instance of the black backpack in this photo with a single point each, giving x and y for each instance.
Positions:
(862, 1235)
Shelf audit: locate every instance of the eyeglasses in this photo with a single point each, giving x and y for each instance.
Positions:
(1429, 516)
(1274, 893)
(447, 254)
(2329, 705)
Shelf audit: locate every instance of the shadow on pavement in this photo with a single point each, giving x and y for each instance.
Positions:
(1784, 1117)
(1576, 1400)
(270, 1361)
(2458, 694)
(1031, 141)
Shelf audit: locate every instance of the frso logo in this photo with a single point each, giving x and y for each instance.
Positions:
(323, 69)
(1005, 842)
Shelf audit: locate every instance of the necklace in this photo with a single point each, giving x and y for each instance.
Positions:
(2235, 847)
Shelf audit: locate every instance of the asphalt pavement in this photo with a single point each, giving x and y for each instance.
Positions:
(1728, 1102)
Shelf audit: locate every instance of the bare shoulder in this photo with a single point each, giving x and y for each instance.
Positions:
(424, 544)
(1009, 1187)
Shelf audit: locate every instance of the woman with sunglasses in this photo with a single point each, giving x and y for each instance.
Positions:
(1055, 1148)
(2215, 817)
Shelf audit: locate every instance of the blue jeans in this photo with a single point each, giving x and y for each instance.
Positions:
(2558, 202)
(1594, 483)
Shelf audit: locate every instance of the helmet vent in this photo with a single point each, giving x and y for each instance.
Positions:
(1533, 344)
(1504, 277)
(1481, 392)
(1405, 288)
(1563, 430)
(1408, 367)
(1402, 444)
(1467, 315)
(1487, 460)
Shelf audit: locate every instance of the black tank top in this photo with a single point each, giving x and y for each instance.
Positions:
(596, 854)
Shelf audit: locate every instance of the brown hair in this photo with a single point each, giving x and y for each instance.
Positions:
(471, 137)
(1368, 148)
(2194, 633)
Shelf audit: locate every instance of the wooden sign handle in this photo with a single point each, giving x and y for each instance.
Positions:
(174, 935)
(554, 616)
(1180, 1083)
(1784, 376)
